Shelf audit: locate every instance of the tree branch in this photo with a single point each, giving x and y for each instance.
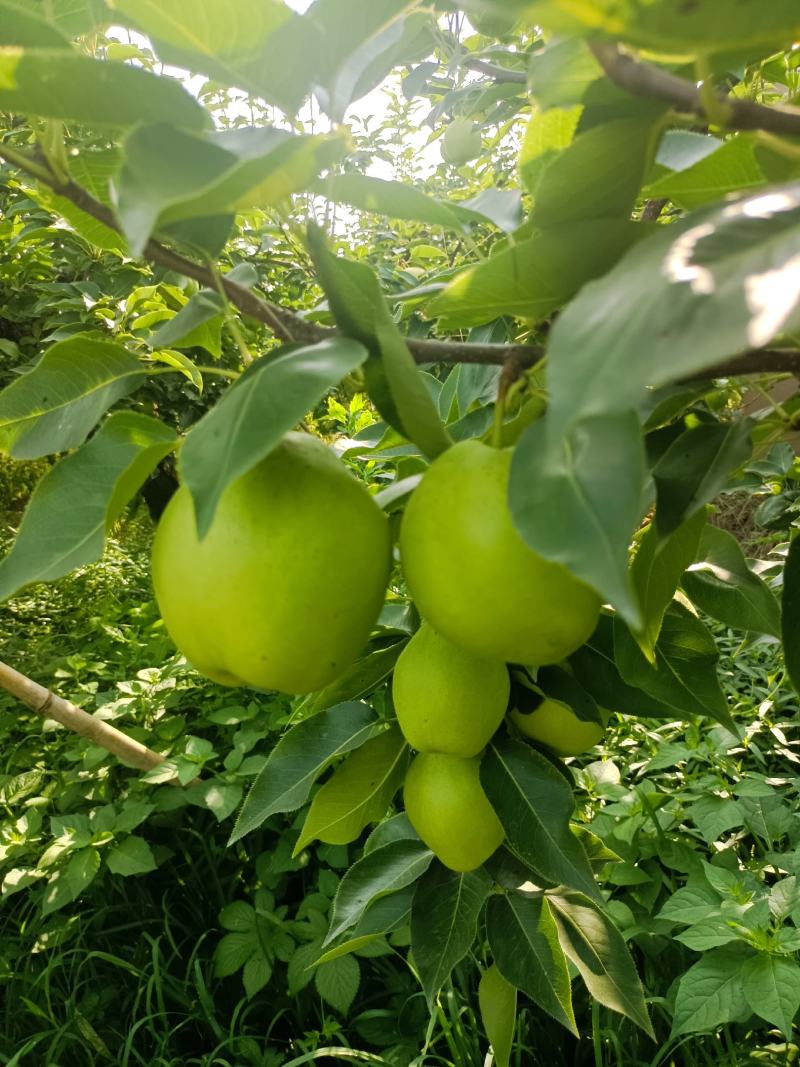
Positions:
(493, 70)
(645, 79)
(289, 326)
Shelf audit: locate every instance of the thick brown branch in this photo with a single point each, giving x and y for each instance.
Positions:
(500, 74)
(645, 79)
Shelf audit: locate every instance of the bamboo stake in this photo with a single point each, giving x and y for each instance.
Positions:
(50, 706)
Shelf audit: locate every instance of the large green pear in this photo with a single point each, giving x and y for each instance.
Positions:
(474, 578)
(447, 699)
(448, 808)
(461, 142)
(558, 727)
(283, 591)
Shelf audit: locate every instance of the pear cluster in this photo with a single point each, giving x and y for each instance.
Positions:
(487, 599)
(285, 587)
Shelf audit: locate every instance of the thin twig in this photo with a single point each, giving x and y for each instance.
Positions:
(500, 74)
(645, 79)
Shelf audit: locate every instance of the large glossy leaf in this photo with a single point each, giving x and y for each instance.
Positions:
(498, 1003)
(444, 921)
(524, 941)
(560, 73)
(78, 500)
(722, 585)
(578, 500)
(598, 950)
(395, 384)
(257, 45)
(712, 992)
(198, 322)
(398, 200)
(53, 407)
(718, 282)
(255, 414)
(657, 570)
(730, 168)
(535, 804)
(684, 674)
(383, 915)
(360, 45)
(772, 988)
(169, 175)
(669, 26)
(25, 29)
(595, 668)
(380, 872)
(65, 85)
(696, 467)
(531, 278)
(358, 792)
(790, 609)
(548, 133)
(597, 176)
(297, 760)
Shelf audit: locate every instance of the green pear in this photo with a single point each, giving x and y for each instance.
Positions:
(448, 808)
(558, 727)
(461, 142)
(474, 578)
(447, 699)
(283, 591)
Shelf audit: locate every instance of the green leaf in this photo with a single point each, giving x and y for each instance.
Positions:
(257, 972)
(535, 804)
(362, 43)
(69, 881)
(696, 467)
(93, 170)
(25, 29)
(238, 916)
(684, 673)
(594, 945)
(657, 570)
(75, 17)
(198, 322)
(548, 133)
(668, 26)
(531, 278)
(524, 942)
(790, 611)
(233, 951)
(65, 85)
(78, 500)
(696, 292)
(397, 200)
(731, 168)
(132, 856)
(578, 500)
(337, 982)
(358, 792)
(772, 988)
(377, 874)
(53, 407)
(255, 44)
(722, 585)
(395, 385)
(560, 73)
(381, 917)
(596, 669)
(711, 992)
(357, 681)
(170, 175)
(498, 1003)
(299, 758)
(444, 922)
(598, 175)
(254, 415)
